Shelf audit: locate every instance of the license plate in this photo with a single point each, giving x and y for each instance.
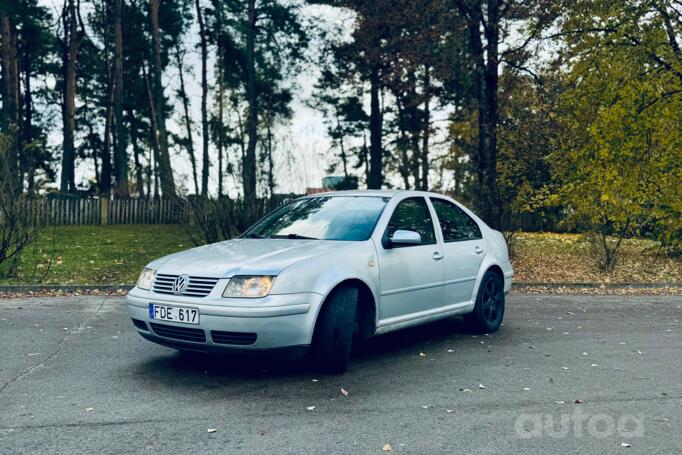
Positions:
(183, 315)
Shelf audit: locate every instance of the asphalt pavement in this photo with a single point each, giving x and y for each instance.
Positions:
(565, 374)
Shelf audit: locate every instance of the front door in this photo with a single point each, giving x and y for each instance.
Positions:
(411, 275)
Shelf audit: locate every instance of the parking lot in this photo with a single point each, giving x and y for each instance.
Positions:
(564, 374)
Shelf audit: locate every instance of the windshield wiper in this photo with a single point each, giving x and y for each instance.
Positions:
(292, 236)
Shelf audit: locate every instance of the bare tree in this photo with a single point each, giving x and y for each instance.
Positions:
(187, 118)
(74, 33)
(249, 161)
(204, 95)
(164, 164)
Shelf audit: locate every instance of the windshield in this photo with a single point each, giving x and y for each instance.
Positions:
(322, 218)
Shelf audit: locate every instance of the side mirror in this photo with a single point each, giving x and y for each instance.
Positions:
(404, 237)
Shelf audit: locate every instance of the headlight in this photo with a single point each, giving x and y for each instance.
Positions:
(249, 286)
(146, 279)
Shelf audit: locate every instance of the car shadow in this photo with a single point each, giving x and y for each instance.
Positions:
(368, 357)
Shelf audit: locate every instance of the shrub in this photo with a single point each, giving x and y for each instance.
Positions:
(215, 220)
(19, 224)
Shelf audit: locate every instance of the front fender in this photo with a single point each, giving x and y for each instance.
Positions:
(323, 273)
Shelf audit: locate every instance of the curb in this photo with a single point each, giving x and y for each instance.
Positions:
(523, 284)
(18, 289)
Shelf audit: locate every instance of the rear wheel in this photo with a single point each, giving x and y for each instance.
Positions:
(489, 308)
(333, 336)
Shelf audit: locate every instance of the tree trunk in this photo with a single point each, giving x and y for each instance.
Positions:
(137, 151)
(28, 160)
(187, 120)
(426, 129)
(492, 117)
(404, 166)
(221, 132)
(204, 95)
(375, 177)
(486, 62)
(120, 144)
(249, 164)
(339, 132)
(10, 90)
(164, 164)
(72, 42)
(154, 133)
(271, 163)
(105, 176)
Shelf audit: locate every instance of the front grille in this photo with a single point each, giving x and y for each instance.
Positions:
(179, 333)
(241, 338)
(140, 324)
(198, 286)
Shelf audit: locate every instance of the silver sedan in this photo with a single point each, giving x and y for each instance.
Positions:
(324, 270)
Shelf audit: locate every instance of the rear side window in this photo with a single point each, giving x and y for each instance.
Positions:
(454, 222)
(413, 215)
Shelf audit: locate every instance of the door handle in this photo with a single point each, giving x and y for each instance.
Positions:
(437, 256)
(478, 249)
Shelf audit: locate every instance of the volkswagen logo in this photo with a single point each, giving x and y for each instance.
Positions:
(180, 284)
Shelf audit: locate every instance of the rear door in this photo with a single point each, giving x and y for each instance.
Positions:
(411, 276)
(464, 250)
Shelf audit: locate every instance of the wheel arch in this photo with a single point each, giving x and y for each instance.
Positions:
(366, 315)
(496, 269)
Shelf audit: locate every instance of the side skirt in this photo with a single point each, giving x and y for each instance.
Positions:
(423, 317)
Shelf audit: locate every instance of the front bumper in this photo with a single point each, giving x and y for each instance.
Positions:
(278, 322)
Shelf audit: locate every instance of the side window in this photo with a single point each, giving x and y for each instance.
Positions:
(454, 222)
(413, 215)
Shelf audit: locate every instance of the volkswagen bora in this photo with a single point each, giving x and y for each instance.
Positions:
(324, 270)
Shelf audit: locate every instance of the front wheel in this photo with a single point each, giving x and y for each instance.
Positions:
(333, 336)
(489, 308)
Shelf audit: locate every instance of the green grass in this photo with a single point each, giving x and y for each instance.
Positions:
(96, 254)
(117, 254)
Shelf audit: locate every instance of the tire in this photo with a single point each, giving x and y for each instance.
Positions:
(489, 308)
(333, 337)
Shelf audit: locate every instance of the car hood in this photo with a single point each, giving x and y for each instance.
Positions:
(245, 257)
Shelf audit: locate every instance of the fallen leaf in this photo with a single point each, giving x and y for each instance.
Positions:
(387, 447)
(344, 392)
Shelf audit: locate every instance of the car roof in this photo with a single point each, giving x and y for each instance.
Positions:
(375, 193)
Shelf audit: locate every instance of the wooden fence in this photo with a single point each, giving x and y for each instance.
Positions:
(75, 211)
